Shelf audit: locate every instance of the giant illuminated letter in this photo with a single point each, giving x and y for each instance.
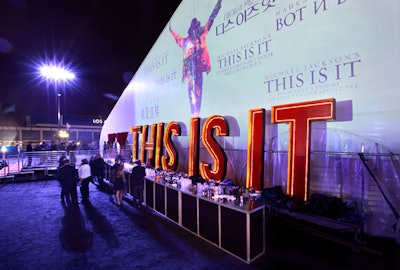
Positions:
(135, 130)
(146, 145)
(150, 145)
(159, 145)
(194, 145)
(170, 161)
(299, 116)
(255, 149)
(219, 125)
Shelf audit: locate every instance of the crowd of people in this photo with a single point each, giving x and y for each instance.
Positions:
(70, 177)
(60, 146)
(52, 146)
(93, 171)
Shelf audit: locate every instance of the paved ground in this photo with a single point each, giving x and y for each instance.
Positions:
(37, 232)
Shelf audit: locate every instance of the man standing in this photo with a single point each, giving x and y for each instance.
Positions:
(63, 189)
(138, 173)
(99, 168)
(29, 149)
(68, 175)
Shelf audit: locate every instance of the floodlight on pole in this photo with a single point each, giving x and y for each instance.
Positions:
(56, 74)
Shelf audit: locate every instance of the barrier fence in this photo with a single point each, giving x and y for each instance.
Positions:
(371, 180)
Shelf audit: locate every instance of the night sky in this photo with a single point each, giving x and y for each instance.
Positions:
(102, 41)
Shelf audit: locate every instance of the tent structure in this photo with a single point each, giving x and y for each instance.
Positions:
(298, 94)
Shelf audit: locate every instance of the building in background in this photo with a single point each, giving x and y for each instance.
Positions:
(83, 130)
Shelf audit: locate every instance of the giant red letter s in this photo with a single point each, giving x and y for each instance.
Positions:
(219, 125)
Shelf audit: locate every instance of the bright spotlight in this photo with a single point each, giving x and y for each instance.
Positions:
(56, 73)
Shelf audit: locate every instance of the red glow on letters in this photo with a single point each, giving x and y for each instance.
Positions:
(219, 125)
(159, 145)
(299, 116)
(170, 161)
(135, 130)
(255, 149)
(194, 145)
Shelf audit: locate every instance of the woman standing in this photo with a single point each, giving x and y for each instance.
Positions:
(119, 182)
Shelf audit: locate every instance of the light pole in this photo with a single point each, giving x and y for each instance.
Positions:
(59, 110)
(56, 74)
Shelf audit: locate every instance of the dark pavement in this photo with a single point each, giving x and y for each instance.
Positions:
(37, 232)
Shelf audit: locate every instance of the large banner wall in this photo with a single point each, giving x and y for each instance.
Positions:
(228, 57)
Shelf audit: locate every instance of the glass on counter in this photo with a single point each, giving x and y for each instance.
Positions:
(218, 191)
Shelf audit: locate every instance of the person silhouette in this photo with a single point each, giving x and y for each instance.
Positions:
(196, 58)
(68, 177)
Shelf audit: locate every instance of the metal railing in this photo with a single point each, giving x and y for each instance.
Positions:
(44, 162)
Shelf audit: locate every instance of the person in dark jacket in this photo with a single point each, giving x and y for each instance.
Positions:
(63, 191)
(68, 177)
(99, 168)
(138, 173)
(29, 149)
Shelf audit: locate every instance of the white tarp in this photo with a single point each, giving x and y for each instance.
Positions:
(264, 53)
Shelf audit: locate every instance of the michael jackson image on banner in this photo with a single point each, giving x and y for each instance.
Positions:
(196, 58)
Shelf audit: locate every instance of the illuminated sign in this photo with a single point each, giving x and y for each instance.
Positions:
(255, 149)
(298, 115)
(97, 121)
(263, 54)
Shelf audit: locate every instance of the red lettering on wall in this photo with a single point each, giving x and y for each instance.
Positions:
(219, 125)
(135, 130)
(255, 149)
(299, 116)
(194, 145)
(148, 146)
(170, 161)
(159, 145)
(145, 146)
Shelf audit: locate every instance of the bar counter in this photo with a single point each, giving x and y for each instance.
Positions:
(238, 229)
